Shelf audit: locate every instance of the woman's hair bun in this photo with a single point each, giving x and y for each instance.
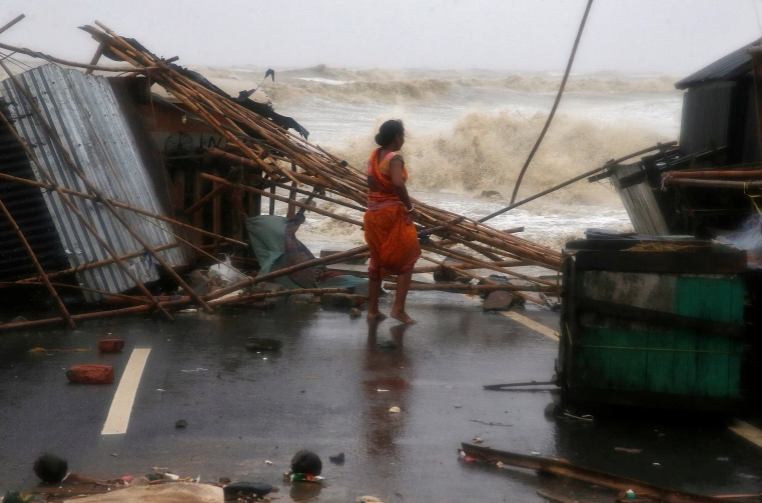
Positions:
(388, 131)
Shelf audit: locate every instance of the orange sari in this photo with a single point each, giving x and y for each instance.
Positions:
(394, 247)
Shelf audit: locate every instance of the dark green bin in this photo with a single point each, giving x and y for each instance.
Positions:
(660, 329)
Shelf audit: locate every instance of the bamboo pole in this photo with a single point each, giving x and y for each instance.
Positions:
(485, 265)
(93, 265)
(138, 299)
(96, 57)
(201, 202)
(67, 201)
(465, 266)
(51, 59)
(66, 156)
(719, 184)
(11, 23)
(283, 199)
(37, 266)
(474, 289)
(118, 204)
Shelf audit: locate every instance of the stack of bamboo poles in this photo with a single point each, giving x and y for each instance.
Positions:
(289, 162)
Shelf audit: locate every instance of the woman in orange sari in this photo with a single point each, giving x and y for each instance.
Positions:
(389, 229)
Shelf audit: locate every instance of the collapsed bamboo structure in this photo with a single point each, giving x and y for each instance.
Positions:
(269, 156)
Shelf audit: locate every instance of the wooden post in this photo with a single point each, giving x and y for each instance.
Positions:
(96, 57)
(756, 61)
(272, 200)
(37, 266)
(12, 22)
(86, 223)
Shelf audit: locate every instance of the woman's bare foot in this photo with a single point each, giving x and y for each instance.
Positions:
(403, 317)
(378, 316)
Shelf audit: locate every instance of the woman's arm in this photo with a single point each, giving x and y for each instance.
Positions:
(395, 173)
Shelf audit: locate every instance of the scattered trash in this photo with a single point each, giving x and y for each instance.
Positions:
(630, 493)
(368, 499)
(18, 497)
(257, 489)
(355, 313)
(263, 344)
(128, 478)
(181, 423)
(586, 417)
(498, 301)
(110, 345)
(478, 440)
(626, 449)
(50, 468)
(395, 409)
(499, 464)
(171, 477)
(304, 477)
(43, 350)
(114, 455)
(268, 462)
(337, 459)
(382, 390)
(657, 464)
(91, 374)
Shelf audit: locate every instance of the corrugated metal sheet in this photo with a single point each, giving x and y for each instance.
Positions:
(640, 203)
(83, 109)
(706, 112)
(730, 67)
(27, 207)
(751, 138)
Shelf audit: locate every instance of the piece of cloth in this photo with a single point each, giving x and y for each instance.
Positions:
(380, 186)
(273, 241)
(393, 244)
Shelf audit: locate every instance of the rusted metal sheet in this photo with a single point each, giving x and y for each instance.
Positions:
(86, 115)
(603, 479)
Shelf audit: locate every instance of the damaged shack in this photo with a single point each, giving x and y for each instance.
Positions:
(116, 188)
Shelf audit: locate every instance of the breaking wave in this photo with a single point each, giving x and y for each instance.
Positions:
(485, 151)
(413, 85)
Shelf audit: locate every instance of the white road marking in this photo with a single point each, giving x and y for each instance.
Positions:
(747, 431)
(537, 327)
(121, 407)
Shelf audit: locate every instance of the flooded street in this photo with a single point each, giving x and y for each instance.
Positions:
(329, 389)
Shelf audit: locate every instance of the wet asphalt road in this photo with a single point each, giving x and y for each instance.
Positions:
(321, 391)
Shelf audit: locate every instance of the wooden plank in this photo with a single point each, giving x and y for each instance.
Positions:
(665, 319)
(666, 262)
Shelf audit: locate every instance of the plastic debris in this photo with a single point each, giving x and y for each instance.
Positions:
(395, 409)
(478, 440)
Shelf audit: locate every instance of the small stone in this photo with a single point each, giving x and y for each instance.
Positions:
(110, 345)
(550, 409)
(342, 300)
(498, 301)
(306, 461)
(337, 459)
(182, 423)
(395, 409)
(355, 313)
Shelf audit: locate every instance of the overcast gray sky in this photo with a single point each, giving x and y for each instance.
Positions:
(671, 36)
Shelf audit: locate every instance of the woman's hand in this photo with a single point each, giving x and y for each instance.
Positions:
(409, 216)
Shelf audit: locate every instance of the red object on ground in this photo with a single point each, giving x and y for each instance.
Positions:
(91, 374)
(110, 345)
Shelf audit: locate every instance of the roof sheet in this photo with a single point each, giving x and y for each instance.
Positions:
(729, 67)
(85, 113)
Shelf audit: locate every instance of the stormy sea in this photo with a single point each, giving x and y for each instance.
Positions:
(470, 131)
